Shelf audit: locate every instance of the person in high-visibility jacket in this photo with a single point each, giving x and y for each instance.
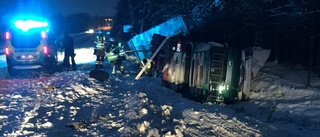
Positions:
(100, 50)
(115, 55)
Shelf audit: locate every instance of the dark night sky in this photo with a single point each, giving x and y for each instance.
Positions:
(66, 7)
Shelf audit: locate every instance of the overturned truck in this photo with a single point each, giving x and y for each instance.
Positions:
(213, 72)
(210, 71)
(207, 72)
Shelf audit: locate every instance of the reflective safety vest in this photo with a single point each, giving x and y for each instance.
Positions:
(111, 56)
(100, 42)
(122, 52)
(101, 39)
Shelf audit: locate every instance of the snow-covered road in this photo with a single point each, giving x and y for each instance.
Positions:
(56, 105)
(70, 103)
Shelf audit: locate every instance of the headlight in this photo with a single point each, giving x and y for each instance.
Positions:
(221, 88)
(90, 31)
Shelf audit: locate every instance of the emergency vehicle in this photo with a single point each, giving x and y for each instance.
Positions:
(27, 46)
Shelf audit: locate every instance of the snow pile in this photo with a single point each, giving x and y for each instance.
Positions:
(280, 97)
(158, 111)
(289, 100)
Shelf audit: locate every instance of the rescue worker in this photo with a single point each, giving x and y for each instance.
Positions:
(68, 46)
(115, 48)
(100, 50)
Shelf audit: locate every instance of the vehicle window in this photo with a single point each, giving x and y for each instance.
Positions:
(25, 40)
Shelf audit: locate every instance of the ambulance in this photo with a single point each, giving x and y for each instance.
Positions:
(27, 46)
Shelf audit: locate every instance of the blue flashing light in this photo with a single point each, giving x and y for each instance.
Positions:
(108, 32)
(26, 25)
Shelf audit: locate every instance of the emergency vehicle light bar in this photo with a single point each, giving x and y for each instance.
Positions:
(25, 25)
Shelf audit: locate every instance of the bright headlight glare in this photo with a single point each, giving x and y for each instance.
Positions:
(221, 88)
